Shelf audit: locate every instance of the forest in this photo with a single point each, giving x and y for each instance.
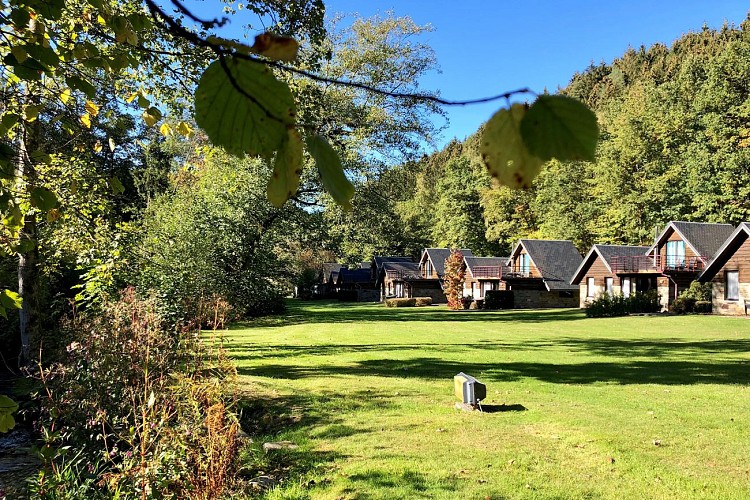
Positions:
(129, 223)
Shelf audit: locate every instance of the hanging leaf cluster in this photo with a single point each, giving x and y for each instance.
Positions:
(517, 141)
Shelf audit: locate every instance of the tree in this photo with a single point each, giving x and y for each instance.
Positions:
(453, 280)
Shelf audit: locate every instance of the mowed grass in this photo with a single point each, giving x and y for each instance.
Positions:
(634, 407)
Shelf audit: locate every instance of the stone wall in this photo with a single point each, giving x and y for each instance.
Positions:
(436, 294)
(729, 307)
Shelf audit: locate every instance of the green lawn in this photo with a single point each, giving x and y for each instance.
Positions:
(635, 407)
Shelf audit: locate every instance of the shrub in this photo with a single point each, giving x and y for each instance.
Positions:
(347, 296)
(423, 301)
(606, 305)
(682, 305)
(703, 307)
(405, 302)
(466, 302)
(498, 299)
(135, 409)
(698, 291)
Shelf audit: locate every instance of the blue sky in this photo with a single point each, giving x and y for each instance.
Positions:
(487, 47)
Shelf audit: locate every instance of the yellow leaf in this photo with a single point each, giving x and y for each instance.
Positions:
(65, 96)
(98, 147)
(184, 129)
(151, 116)
(31, 112)
(92, 108)
(86, 120)
(101, 20)
(131, 97)
(53, 215)
(279, 48)
(165, 129)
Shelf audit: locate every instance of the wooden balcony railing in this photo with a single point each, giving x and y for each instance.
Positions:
(624, 264)
(490, 272)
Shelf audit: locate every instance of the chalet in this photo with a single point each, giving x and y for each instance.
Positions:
(483, 274)
(358, 280)
(679, 254)
(431, 272)
(596, 274)
(329, 273)
(396, 279)
(540, 271)
(376, 266)
(729, 273)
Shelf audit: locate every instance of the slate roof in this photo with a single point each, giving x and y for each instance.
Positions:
(705, 238)
(408, 269)
(331, 269)
(606, 252)
(473, 262)
(556, 260)
(354, 276)
(438, 256)
(381, 259)
(726, 250)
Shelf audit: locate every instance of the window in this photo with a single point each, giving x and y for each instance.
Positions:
(675, 253)
(626, 287)
(525, 263)
(608, 285)
(733, 285)
(428, 269)
(590, 287)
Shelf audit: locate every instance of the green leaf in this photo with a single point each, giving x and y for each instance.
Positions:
(287, 169)
(253, 119)
(10, 300)
(43, 199)
(25, 245)
(116, 185)
(7, 161)
(331, 172)
(20, 17)
(30, 69)
(7, 123)
(45, 55)
(78, 83)
(51, 9)
(7, 408)
(560, 127)
(503, 150)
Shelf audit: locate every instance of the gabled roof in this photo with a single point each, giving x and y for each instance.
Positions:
(605, 252)
(365, 265)
(725, 252)
(354, 276)
(379, 260)
(407, 270)
(473, 262)
(438, 255)
(556, 260)
(704, 238)
(331, 266)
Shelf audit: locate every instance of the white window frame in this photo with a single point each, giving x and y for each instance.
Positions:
(732, 285)
(609, 286)
(626, 286)
(590, 288)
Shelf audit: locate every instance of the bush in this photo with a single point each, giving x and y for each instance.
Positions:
(412, 302)
(607, 306)
(423, 301)
(688, 299)
(135, 409)
(703, 307)
(466, 301)
(682, 305)
(347, 296)
(498, 299)
(698, 291)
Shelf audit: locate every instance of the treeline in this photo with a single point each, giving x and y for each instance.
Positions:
(675, 132)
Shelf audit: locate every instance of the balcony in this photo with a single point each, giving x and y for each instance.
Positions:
(487, 272)
(637, 264)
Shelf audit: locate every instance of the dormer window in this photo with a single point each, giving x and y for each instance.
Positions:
(675, 253)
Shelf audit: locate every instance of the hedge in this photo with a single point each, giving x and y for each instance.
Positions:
(423, 301)
(401, 302)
